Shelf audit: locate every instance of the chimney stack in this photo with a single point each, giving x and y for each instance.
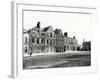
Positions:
(38, 25)
(73, 37)
(66, 34)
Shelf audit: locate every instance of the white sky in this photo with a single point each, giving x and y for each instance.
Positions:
(77, 25)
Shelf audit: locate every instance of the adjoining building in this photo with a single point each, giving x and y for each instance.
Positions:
(59, 41)
(49, 39)
(86, 46)
(43, 40)
(70, 44)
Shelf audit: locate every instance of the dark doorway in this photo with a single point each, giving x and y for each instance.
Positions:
(64, 48)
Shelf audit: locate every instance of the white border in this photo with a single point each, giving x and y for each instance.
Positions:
(17, 70)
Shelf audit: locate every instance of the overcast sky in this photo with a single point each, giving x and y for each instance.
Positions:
(77, 25)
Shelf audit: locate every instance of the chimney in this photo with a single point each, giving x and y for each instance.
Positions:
(65, 34)
(73, 37)
(38, 25)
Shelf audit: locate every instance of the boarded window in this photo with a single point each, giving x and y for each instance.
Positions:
(33, 40)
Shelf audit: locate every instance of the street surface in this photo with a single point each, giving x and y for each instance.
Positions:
(56, 60)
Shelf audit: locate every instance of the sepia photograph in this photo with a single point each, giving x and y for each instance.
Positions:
(56, 39)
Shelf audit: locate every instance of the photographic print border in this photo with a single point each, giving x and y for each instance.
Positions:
(17, 70)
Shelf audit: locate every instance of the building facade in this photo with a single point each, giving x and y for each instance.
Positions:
(70, 44)
(59, 41)
(43, 40)
(49, 39)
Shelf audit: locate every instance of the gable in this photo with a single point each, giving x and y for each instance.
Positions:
(50, 30)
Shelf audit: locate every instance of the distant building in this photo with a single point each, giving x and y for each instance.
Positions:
(70, 44)
(86, 46)
(42, 40)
